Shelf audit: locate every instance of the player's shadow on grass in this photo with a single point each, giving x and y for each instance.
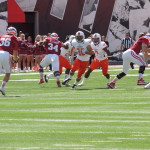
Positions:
(8, 96)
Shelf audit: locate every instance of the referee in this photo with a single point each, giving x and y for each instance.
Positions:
(126, 43)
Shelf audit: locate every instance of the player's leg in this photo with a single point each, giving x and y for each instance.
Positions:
(6, 63)
(126, 66)
(94, 65)
(104, 65)
(83, 65)
(142, 64)
(55, 66)
(75, 67)
(45, 62)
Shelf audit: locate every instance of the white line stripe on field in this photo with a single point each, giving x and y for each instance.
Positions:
(67, 120)
(102, 141)
(54, 111)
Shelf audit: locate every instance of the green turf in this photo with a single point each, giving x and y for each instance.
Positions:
(92, 117)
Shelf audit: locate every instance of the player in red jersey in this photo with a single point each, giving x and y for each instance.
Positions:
(22, 52)
(132, 55)
(8, 46)
(30, 59)
(52, 46)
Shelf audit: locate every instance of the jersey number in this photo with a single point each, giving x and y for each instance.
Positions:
(5, 42)
(52, 47)
(80, 51)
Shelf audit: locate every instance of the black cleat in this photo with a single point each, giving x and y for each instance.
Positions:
(66, 81)
(46, 78)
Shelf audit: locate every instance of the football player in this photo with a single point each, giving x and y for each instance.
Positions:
(83, 48)
(8, 45)
(132, 55)
(100, 60)
(64, 60)
(52, 46)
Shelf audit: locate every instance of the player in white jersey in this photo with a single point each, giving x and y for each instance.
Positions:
(84, 50)
(100, 60)
(64, 60)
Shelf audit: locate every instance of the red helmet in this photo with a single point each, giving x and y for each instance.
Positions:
(11, 30)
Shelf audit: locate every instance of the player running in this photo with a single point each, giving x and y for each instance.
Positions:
(83, 48)
(52, 46)
(132, 55)
(100, 60)
(64, 60)
(8, 45)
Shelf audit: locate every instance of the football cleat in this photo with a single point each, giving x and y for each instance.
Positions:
(66, 81)
(41, 81)
(81, 84)
(147, 86)
(111, 85)
(46, 78)
(142, 82)
(2, 91)
(74, 87)
(67, 84)
(58, 84)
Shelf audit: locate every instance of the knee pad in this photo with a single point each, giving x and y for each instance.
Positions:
(142, 69)
(122, 74)
(56, 73)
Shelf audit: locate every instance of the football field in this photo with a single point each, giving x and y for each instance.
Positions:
(93, 117)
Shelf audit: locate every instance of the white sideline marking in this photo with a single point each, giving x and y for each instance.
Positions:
(129, 138)
(67, 120)
(47, 148)
(102, 141)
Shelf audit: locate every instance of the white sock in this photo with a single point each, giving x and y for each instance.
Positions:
(3, 84)
(115, 79)
(50, 75)
(66, 76)
(41, 75)
(140, 75)
(84, 79)
(58, 78)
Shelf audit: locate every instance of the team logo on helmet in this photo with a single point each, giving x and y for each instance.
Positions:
(11, 30)
(54, 36)
(96, 38)
(79, 36)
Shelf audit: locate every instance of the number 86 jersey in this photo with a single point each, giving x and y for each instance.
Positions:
(9, 43)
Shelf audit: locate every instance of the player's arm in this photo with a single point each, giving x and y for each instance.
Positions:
(121, 48)
(146, 50)
(15, 56)
(107, 51)
(89, 50)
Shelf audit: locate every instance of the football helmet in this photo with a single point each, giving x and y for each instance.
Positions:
(54, 36)
(96, 38)
(80, 36)
(11, 30)
(71, 37)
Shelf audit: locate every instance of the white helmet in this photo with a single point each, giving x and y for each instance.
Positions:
(54, 36)
(80, 36)
(11, 30)
(71, 37)
(96, 38)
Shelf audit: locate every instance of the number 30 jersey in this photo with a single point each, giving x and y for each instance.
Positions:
(80, 48)
(52, 46)
(9, 43)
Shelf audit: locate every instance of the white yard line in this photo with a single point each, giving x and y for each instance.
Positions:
(75, 120)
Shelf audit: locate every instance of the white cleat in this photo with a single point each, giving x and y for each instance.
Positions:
(81, 84)
(2, 91)
(147, 86)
